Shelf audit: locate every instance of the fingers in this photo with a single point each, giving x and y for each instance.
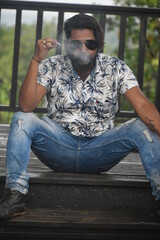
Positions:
(43, 46)
(49, 43)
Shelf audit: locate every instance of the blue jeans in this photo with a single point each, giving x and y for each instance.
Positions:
(63, 152)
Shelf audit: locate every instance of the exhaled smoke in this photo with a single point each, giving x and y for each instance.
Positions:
(81, 58)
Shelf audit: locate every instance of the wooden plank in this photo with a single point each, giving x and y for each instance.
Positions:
(100, 219)
(91, 225)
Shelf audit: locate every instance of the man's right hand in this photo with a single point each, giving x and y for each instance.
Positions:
(42, 48)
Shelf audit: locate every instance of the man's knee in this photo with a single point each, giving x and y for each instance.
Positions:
(23, 119)
(134, 127)
(136, 124)
(23, 115)
(140, 128)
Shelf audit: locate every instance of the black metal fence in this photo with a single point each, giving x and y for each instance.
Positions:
(103, 11)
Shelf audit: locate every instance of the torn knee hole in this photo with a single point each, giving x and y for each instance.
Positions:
(19, 124)
(147, 135)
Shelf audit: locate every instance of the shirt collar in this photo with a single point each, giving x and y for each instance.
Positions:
(75, 75)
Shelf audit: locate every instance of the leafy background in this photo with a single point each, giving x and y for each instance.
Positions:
(27, 44)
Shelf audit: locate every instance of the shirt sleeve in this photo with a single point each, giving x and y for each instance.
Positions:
(127, 79)
(45, 73)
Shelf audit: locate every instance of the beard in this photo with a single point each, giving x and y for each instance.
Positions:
(82, 60)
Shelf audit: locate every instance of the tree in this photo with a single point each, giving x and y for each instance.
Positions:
(27, 45)
(152, 44)
(6, 56)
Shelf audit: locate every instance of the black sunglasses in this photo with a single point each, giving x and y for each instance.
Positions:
(77, 44)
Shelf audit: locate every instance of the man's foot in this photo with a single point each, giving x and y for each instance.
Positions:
(12, 204)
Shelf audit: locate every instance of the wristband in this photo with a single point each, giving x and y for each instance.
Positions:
(35, 60)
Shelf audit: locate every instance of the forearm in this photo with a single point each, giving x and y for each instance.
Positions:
(151, 117)
(146, 111)
(31, 92)
(28, 91)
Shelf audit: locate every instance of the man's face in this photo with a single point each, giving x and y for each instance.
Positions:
(82, 48)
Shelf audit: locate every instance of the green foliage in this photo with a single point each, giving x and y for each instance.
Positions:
(27, 45)
(139, 3)
(151, 46)
(6, 56)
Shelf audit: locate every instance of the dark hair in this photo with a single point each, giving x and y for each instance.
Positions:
(83, 21)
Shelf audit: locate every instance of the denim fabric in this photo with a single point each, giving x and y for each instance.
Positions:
(63, 152)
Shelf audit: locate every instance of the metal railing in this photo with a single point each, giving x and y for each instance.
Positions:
(123, 12)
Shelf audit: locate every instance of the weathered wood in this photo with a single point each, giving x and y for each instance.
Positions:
(61, 8)
(62, 224)
(100, 219)
(113, 205)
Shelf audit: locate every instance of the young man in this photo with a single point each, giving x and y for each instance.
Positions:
(78, 133)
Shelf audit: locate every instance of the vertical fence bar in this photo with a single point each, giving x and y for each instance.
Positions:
(60, 31)
(62, 8)
(122, 38)
(141, 53)
(102, 22)
(15, 58)
(121, 47)
(39, 26)
(157, 98)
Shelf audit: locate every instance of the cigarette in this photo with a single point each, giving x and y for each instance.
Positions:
(59, 44)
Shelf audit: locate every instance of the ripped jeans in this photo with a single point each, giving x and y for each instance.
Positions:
(63, 152)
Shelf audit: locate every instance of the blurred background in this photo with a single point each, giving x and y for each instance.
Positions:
(49, 29)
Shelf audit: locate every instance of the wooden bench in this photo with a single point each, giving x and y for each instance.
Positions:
(114, 205)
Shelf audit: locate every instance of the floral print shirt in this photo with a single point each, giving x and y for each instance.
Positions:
(85, 108)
